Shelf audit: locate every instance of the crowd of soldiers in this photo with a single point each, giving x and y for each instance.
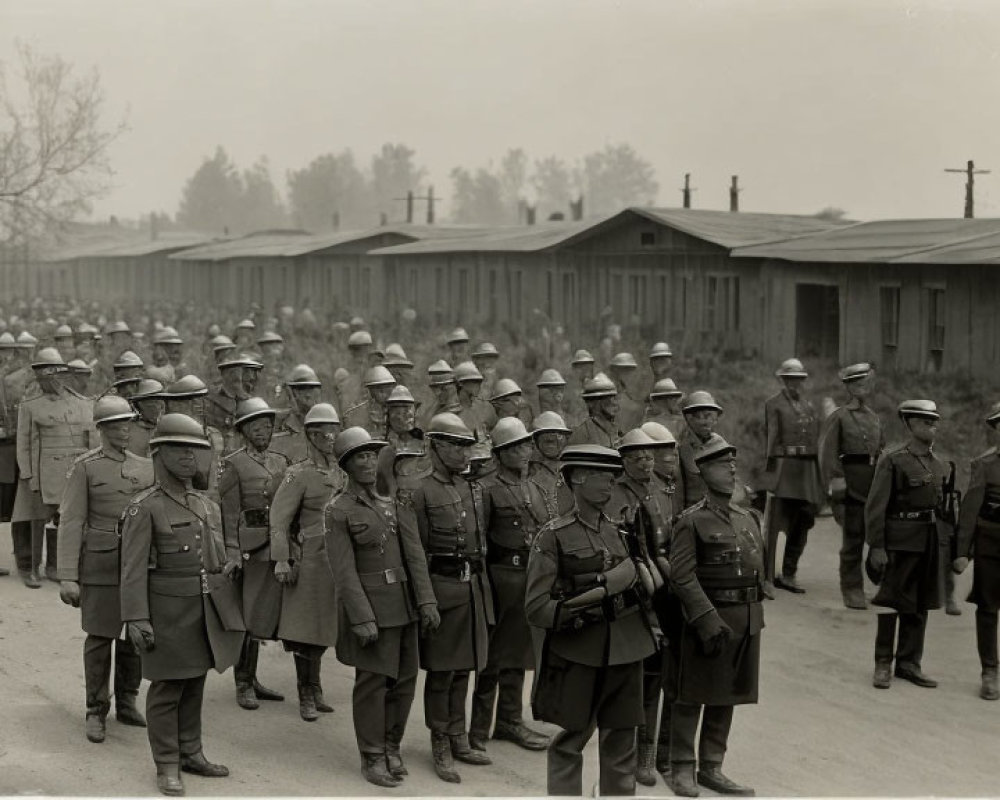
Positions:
(599, 538)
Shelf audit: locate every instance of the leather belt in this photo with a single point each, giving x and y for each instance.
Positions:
(448, 565)
(747, 594)
(914, 516)
(725, 557)
(255, 517)
(106, 525)
(507, 557)
(858, 458)
(383, 578)
(795, 451)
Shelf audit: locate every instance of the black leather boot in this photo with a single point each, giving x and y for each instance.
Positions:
(307, 701)
(374, 770)
(168, 780)
(444, 764)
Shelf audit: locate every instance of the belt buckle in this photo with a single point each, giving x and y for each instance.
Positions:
(466, 574)
(390, 575)
(618, 602)
(204, 583)
(516, 559)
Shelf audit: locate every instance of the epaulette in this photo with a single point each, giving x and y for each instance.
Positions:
(355, 406)
(693, 507)
(229, 456)
(145, 494)
(90, 455)
(560, 522)
(894, 449)
(75, 393)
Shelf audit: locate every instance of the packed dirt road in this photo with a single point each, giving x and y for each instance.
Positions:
(820, 728)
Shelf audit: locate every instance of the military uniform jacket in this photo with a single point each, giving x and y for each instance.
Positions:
(52, 431)
(448, 514)
(595, 431)
(717, 560)
(289, 438)
(566, 559)
(172, 558)
(11, 389)
(792, 430)
(246, 486)
(350, 391)
(220, 413)
(401, 474)
(905, 495)
(672, 422)
(979, 521)
(688, 445)
(138, 440)
(631, 411)
(479, 416)
(299, 504)
(381, 574)
(368, 415)
(557, 495)
(851, 443)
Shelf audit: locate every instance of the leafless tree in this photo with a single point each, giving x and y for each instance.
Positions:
(53, 144)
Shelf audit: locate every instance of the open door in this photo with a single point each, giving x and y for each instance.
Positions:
(817, 321)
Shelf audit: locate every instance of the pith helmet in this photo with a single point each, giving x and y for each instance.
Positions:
(550, 377)
(659, 433)
(661, 350)
(112, 408)
(379, 376)
(450, 427)
(240, 360)
(505, 387)
(665, 387)
(635, 439)
(167, 336)
(7, 340)
(359, 339)
(395, 356)
(119, 326)
(26, 340)
(440, 373)
(457, 335)
(599, 386)
(699, 400)
(63, 332)
(716, 447)
(127, 360)
(792, 368)
(321, 414)
(251, 408)
(401, 396)
(467, 371)
(624, 361)
(147, 388)
(486, 350)
(302, 375)
(582, 357)
(549, 422)
(246, 324)
(48, 357)
(270, 337)
(590, 456)
(918, 408)
(178, 429)
(220, 343)
(354, 440)
(80, 367)
(507, 432)
(188, 386)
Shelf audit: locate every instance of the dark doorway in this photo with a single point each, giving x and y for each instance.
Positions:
(817, 321)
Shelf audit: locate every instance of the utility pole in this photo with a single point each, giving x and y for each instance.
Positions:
(686, 191)
(734, 195)
(410, 198)
(970, 173)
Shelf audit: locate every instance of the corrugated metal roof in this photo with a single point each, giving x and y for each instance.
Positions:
(127, 244)
(887, 241)
(729, 229)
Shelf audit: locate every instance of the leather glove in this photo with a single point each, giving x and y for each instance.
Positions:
(878, 557)
(140, 633)
(621, 577)
(282, 572)
(69, 593)
(713, 633)
(430, 619)
(959, 564)
(231, 569)
(367, 632)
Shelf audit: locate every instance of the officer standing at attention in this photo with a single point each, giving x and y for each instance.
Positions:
(591, 633)
(515, 509)
(601, 425)
(381, 573)
(249, 479)
(979, 539)
(447, 513)
(308, 620)
(99, 486)
(851, 443)
(792, 469)
(901, 528)
(717, 565)
(178, 600)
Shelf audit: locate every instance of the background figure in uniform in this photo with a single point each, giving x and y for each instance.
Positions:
(979, 539)
(371, 413)
(187, 396)
(249, 479)
(447, 514)
(381, 572)
(13, 360)
(622, 369)
(444, 393)
(516, 509)
(701, 415)
(402, 436)
(53, 428)
(350, 390)
(717, 565)
(591, 633)
(148, 402)
(550, 434)
(308, 618)
(665, 406)
(601, 425)
(485, 356)
(178, 600)
(98, 489)
(792, 473)
(661, 360)
(475, 412)
(302, 392)
(901, 528)
(551, 392)
(851, 443)
(458, 346)
(507, 400)
(221, 403)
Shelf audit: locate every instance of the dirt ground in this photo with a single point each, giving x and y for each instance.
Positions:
(820, 728)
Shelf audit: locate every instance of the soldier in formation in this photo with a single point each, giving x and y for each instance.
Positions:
(701, 416)
(601, 425)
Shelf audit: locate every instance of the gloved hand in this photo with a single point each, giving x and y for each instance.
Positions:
(959, 564)
(878, 557)
(367, 632)
(282, 572)
(620, 577)
(140, 633)
(69, 593)
(231, 569)
(430, 619)
(714, 634)
(838, 489)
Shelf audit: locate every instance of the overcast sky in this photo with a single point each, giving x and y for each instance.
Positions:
(855, 104)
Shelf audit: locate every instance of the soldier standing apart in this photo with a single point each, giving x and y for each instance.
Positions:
(902, 533)
(53, 429)
(249, 479)
(381, 573)
(308, 621)
(447, 513)
(792, 430)
(601, 425)
(851, 443)
(979, 538)
(516, 509)
(549, 432)
(701, 415)
(98, 489)
(591, 633)
(181, 609)
(717, 561)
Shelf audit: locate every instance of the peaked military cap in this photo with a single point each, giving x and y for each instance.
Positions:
(716, 447)
(661, 350)
(665, 387)
(791, 368)
(508, 432)
(599, 386)
(549, 422)
(855, 372)
(918, 408)
(590, 456)
(354, 440)
(550, 377)
(699, 400)
(321, 414)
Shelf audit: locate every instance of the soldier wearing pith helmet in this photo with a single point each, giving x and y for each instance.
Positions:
(660, 360)
(397, 362)
(550, 434)
(302, 391)
(187, 396)
(515, 509)
(665, 406)
(701, 415)
(458, 346)
(475, 412)
(623, 369)
(447, 512)
(591, 632)
(443, 391)
(147, 400)
(601, 425)
(903, 534)
(371, 413)
(403, 436)
(100, 485)
(384, 591)
(485, 356)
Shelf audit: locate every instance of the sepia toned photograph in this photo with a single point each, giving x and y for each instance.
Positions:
(499, 398)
